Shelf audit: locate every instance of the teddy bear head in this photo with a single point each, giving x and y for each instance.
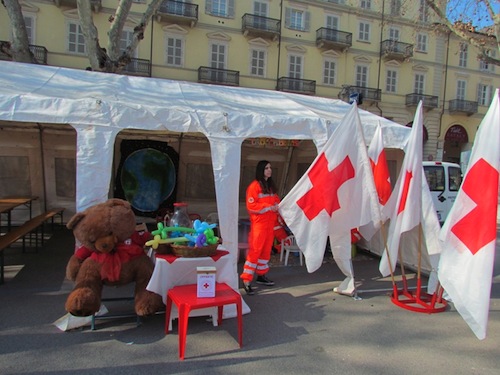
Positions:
(102, 226)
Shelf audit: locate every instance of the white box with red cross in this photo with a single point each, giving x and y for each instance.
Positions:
(206, 281)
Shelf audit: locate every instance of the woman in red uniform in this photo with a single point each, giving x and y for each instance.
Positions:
(262, 206)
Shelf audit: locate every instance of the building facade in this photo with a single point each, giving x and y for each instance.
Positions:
(387, 54)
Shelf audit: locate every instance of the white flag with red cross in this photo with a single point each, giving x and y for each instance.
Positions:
(336, 194)
(404, 207)
(469, 233)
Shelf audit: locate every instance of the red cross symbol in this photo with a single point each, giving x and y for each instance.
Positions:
(206, 285)
(324, 193)
(478, 227)
(406, 189)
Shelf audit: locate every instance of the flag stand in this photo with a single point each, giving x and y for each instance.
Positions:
(418, 301)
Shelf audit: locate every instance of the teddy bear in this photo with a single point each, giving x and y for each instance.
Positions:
(111, 252)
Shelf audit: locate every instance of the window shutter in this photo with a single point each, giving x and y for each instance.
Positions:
(307, 21)
(287, 17)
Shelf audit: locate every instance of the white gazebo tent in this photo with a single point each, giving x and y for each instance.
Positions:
(98, 106)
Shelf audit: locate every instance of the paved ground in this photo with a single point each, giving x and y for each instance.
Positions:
(300, 326)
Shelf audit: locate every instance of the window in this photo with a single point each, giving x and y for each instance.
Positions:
(391, 80)
(260, 8)
(218, 55)
(220, 8)
(295, 66)
(175, 51)
(29, 21)
(462, 58)
(76, 41)
(126, 39)
(365, 4)
(362, 75)
(461, 89)
(393, 34)
(332, 22)
(421, 42)
(258, 63)
(484, 94)
(364, 32)
(423, 11)
(395, 7)
(297, 19)
(484, 65)
(329, 72)
(419, 84)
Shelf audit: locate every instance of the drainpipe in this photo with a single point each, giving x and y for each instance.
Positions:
(151, 46)
(445, 82)
(279, 44)
(380, 55)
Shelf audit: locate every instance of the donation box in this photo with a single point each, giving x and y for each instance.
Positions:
(206, 281)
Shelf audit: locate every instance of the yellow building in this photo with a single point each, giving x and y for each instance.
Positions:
(387, 52)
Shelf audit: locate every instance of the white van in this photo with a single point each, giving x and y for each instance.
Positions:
(444, 180)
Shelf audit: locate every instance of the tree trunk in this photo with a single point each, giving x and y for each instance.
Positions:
(19, 49)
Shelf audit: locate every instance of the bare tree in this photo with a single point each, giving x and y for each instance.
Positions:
(107, 59)
(19, 49)
(474, 21)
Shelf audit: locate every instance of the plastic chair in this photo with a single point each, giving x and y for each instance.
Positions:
(289, 245)
(186, 300)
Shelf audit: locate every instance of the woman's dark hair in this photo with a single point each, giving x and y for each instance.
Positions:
(268, 185)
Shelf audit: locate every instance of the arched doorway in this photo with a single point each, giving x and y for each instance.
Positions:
(454, 139)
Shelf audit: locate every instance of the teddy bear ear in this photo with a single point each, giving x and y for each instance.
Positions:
(75, 220)
(117, 202)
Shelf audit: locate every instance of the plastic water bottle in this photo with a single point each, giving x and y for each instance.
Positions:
(180, 218)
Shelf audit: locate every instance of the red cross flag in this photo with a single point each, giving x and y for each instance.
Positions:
(404, 206)
(336, 194)
(378, 161)
(470, 230)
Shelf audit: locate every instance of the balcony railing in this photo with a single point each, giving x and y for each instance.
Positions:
(138, 67)
(39, 52)
(428, 101)
(393, 49)
(367, 93)
(331, 38)
(297, 85)
(177, 11)
(260, 26)
(464, 106)
(218, 76)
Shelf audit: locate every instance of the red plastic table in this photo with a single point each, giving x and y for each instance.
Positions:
(184, 296)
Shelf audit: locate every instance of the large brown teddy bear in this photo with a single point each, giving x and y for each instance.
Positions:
(111, 253)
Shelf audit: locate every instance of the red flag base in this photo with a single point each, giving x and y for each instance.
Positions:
(419, 301)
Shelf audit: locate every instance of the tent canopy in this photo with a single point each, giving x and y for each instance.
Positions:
(100, 105)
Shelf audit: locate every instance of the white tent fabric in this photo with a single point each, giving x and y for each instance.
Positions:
(100, 105)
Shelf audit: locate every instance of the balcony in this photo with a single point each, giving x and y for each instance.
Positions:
(177, 12)
(258, 26)
(367, 94)
(428, 101)
(138, 67)
(462, 106)
(218, 76)
(39, 52)
(296, 85)
(96, 4)
(394, 50)
(333, 39)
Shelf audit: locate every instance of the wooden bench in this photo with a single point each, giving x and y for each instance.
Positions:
(28, 227)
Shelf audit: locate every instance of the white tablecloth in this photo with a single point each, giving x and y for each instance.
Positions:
(183, 271)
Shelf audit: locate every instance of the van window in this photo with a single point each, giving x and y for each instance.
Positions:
(435, 177)
(455, 176)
